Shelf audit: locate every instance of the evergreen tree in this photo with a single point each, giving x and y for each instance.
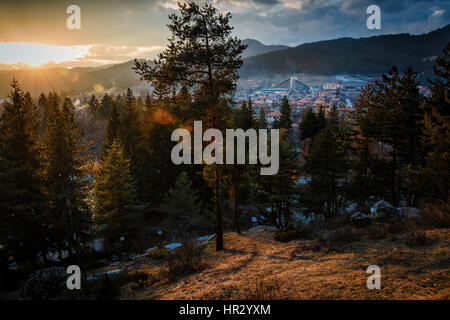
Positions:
(434, 175)
(93, 105)
(279, 192)
(43, 111)
(115, 196)
(440, 87)
(65, 158)
(262, 121)
(112, 128)
(327, 163)
(130, 129)
(285, 118)
(105, 106)
(390, 112)
(181, 204)
(21, 217)
(308, 125)
(202, 56)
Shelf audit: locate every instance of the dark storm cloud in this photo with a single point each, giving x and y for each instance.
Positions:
(143, 22)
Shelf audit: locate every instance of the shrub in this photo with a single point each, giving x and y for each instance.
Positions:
(286, 235)
(436, 215)
(332, 239)
(417, 238)
(106, 288)
(157, 254)
(343, 235)
(396, 227)
(183, 260)
(377, 231)
(140, 278)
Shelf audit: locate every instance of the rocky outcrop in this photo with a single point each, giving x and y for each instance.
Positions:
(44, 284)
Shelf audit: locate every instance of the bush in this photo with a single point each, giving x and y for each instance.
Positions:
(435, 215)
(396, 227)
(417, 238)
(140, 278)
(286, 235)
(342, 235)
(106, 288)
(183, 260)
(332, 239)
(378, 231)
(44, 284)
(157, 254)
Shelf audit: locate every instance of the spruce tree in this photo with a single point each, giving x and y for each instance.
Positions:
(115, 196)
(262, 121)
(390, 111)
(65, 158)
(181, 204)
(285, 118)
(22, 222)
(440, 86)
(112, 128)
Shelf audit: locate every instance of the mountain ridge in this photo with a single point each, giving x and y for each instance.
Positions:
(369, 55)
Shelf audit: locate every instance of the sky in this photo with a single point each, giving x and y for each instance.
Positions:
(33, 33)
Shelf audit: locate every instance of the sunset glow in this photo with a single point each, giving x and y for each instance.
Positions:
(19, 52)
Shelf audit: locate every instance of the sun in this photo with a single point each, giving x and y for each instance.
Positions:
(36, 54)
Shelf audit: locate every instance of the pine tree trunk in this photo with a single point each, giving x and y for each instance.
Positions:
(236, 211)
(219, 214)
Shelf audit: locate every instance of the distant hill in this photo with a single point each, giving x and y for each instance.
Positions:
(365, 56)
(368, 56)
(73, 80)
(255, 47)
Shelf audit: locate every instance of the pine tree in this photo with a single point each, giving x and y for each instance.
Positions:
(262, 121)
(93, 105)
(21, 217)
(434, 175)
(43, 111)
(112, 128)
(327, 163)
(285, 118)
(64, 172)
(202, 56)
(181, 204)
(115, 196)
(308, 126)
(440, 87)
(390, 112)
(279, 191)
(130, 129)
(238, 176)
(105, 106)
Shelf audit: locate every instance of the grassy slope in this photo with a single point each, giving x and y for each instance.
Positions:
(253, 265)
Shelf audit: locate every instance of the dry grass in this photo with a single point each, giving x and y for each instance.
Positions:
(253, 266)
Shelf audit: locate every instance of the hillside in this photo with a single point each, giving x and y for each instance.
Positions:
(73, 80)
(369, 56)
(253, 266)
(255, 47)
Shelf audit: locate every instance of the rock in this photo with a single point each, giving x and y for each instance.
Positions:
(409, 212)
(44, 283)
(360, 219)
(383, 210)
